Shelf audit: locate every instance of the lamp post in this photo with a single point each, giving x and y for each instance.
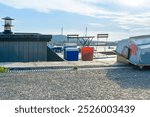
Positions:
(7, 25)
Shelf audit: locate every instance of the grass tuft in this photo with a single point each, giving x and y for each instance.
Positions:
(3, 70)
(75, 68)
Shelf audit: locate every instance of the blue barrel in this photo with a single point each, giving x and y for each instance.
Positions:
(71, 54)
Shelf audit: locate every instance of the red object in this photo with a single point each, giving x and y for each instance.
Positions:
(133, 49)
(87, 53)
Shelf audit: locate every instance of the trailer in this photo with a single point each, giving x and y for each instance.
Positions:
(135, 50)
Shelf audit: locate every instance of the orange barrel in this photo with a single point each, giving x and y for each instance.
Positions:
(87, 53)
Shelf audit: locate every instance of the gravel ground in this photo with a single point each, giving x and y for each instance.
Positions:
(76, 85)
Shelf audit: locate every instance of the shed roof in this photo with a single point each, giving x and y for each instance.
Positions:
(7, 18)
(25, 37)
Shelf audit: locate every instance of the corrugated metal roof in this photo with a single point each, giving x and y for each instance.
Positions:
(25, 37)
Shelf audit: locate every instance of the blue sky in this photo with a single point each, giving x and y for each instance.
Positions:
(120, 18)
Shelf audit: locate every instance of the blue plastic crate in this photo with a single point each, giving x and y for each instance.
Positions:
(71, 54)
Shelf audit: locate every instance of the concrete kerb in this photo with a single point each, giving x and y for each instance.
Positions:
(65, 67)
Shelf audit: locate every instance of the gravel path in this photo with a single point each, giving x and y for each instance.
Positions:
(76, 85)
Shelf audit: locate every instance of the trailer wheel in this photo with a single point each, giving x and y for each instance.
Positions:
(141, 67)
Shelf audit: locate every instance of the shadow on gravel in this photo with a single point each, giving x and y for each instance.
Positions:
(131, 77)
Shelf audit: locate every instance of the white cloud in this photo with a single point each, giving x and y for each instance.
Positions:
(125, 27)
(74, 6)
(133, 3)
(95, 24)
(129, 3)
(92, 1)
(127, 20)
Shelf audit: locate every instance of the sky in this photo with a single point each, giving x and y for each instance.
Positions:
(121, 19)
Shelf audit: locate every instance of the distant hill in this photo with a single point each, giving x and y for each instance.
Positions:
(59, 39)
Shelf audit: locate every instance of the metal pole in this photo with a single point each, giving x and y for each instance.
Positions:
(97, 46)
(62, 31)
(86, 31)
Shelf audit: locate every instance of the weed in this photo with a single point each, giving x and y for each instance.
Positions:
(3, 70)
